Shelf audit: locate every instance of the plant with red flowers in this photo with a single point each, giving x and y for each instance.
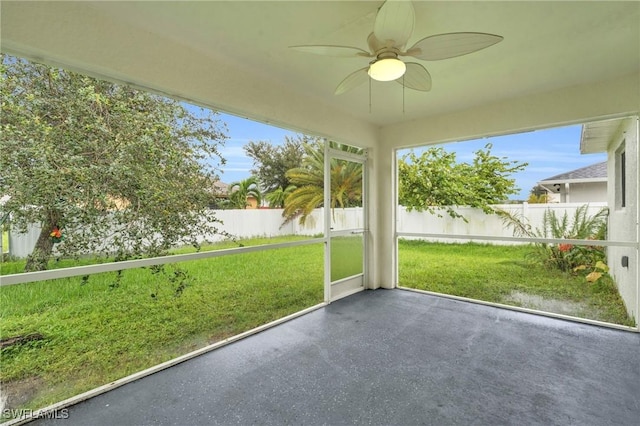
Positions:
(590, 259)
(565, 247)
(56, 235)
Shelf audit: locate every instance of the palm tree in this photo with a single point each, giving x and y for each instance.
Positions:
(346, 182)
(240, 191)
(278, 197)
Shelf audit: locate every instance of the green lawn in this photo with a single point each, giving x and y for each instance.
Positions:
(5, 242)
(506, 274)
(346, 256)
(95, 332)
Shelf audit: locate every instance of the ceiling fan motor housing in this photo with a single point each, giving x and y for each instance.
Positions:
(387, 67)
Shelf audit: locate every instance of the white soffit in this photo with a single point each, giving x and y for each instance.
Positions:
(597, 135)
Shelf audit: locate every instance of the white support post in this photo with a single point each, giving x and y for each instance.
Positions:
(383, 218)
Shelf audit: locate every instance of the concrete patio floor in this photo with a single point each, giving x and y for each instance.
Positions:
(394, 357)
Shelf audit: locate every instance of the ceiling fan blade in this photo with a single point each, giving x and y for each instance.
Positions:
(337, 51)
(416, 77)
(450, 45)
(395, 21)
(352, 81)
(374, 44)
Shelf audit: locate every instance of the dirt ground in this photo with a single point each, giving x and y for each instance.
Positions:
(18, 393)
(531, 301)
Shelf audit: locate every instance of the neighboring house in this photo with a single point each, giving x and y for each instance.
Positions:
(220, 192)
(584, 185)
(252, 202)
(619, 139)
(221, 189)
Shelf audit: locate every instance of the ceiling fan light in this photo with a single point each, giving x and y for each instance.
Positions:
(387, 69)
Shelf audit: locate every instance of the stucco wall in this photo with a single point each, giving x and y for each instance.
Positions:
(582, 192)
(623, 220)
(587, 192)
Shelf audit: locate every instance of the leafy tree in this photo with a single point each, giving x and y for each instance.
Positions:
(271, 162)
(346, 182)
(538, 199)
(538, 195)
(435, 181)
(113, 169)
(278, 197)
(241, 190)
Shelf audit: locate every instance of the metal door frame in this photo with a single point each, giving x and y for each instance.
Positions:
(354, 283)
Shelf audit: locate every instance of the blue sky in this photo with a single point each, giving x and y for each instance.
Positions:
(548, 152)
(240, 132)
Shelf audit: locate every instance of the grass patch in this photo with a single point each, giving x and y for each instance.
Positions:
(5, 241)
(503, 274)
(346, 256)
(96, 331)
(17, 266)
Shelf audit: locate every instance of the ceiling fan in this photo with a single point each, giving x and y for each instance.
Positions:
(392, 29)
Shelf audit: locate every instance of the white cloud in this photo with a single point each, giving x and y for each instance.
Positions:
(231, 151)
(236, 169)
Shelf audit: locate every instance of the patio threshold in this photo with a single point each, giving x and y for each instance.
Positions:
(392, 357)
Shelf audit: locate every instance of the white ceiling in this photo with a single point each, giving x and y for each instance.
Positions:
(234, 55)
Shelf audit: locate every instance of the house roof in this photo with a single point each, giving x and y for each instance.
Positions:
(559, 62)
(593, 173)
(220, 186)
(221, 189)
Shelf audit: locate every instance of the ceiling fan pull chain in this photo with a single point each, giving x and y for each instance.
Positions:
(403, 93)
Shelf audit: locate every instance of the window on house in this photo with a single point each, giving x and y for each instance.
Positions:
(621, 172)
(623, 180)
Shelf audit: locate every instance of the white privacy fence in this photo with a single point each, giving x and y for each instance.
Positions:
(269, 223)
(21, 245)
(248, 223)
(482, 224)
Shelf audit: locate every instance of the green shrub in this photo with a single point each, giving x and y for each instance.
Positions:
(566, 257)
